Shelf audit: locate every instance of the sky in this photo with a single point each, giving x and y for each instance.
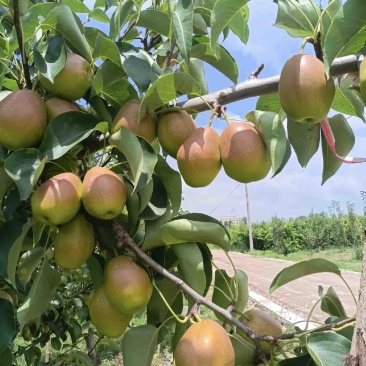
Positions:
(293, 192)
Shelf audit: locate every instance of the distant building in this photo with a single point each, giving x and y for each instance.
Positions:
(232, 220)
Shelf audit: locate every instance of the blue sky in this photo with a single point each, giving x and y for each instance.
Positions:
(294, 192)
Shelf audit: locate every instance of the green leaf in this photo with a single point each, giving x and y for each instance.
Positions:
(269, 103)
(91, 35)
(328, 15)
(25, 166)
(344, 141)
(173, 183)
(40, 295)
(223, 61)
(95, 269)
(165, 89)
(6, 357)
(298, 17)
(28, 263)
(15, 250)
(191, 265)
(65, 131)
(244, 351)
(62, 20)
(332, 305)
(5, 182)
(50, 57)
(105, 49)
(199, 24)
(225, 291)
(139, 65)
(346, 33)
(99, 15)
(347, 100)
(155, 20)
(80, 357)
(119, 18)
(301, 269)
(328, 348)
(138, 346)
(304, 138)
(222, 14)
(186, 231)
(133, 205)
(273, 133)
(76, 6)
(197, 71)
(139, 154)
(305, 360)
(7, 322)
(183, 27)
(239, 24)
(285, 159)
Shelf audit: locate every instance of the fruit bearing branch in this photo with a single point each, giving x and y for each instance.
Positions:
(125, 240)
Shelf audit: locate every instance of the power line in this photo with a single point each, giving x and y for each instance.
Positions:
(226, 198)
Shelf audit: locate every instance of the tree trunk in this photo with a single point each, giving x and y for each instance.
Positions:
(357, 356)
(47, 355)
(91, 346)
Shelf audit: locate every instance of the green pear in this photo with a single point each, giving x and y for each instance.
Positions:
(128, 116)
(74, 243)
(56, 106)
(104, 193)
(127, 285)
(363, 77)
(173, 129)
(23, 119)
(305, 92)
(244, 155)
(73, 81)
(199, 157)
(57, 200)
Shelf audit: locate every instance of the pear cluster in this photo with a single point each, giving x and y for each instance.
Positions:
(23, 113)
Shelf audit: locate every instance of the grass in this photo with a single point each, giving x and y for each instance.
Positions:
(344, 259)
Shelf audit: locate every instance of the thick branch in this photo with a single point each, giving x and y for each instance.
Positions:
(128, 242)
(19, 31)
(257, 87)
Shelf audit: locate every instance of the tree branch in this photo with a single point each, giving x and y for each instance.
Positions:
(257, 87)
(128, 242)
(19, 31)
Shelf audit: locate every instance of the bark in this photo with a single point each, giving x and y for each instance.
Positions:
(357, 356)
(91, 347)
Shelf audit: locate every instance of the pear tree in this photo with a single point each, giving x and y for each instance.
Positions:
(96, 99)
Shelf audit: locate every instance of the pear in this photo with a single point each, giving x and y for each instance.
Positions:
(305, 93)
(74, 243)
(128, 116)
(73, 81)
(56, 106)
(244, 155)
(108, 320)
(173, 129)
(127, 285)
(104, 193)
(199, 157)
(363, 77)
(205, 343)
(57, 200)
(23, 119)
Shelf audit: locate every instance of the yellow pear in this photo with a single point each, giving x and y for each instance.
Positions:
(205, 343)
(128, 116)
(57, 200)
(244, 155)
(108, 320)
(23, 119)
(127, 285)
(73, 81)
(56, 106)
(74, 243)
(199, 157)
(305, 93)
(363, 77)
(104, 193)
(173, 129)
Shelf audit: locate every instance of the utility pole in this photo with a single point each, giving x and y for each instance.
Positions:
(249, 220)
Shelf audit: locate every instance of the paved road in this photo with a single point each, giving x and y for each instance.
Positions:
(298, 296)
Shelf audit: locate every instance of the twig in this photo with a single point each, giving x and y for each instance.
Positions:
(255, 73)
(19, 31)
(169, 54)
(154, 40)
(132, 24)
